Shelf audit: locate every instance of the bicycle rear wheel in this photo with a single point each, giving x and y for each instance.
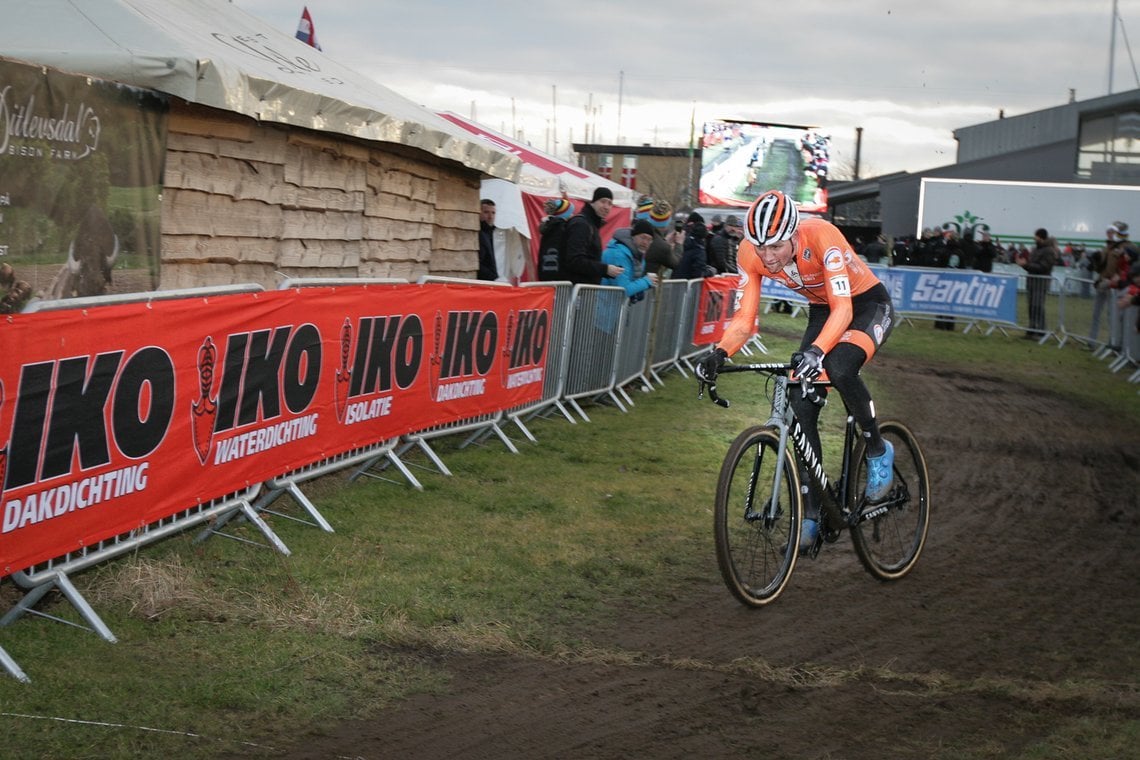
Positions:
(756, 539)
(891, 534)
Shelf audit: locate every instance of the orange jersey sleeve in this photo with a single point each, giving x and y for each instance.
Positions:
(747, 306)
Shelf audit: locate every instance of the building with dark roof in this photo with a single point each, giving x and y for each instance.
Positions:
(1094, 141)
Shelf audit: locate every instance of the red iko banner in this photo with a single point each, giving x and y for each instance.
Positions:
(715, 308)
(117, 416)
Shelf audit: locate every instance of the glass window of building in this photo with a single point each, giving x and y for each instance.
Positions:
(1109, 148)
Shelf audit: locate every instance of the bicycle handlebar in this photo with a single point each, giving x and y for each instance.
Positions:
(770, 368)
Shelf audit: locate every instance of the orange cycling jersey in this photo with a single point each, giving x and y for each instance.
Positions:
(824, 269)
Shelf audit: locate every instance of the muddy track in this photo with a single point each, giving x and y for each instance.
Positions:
(1020, 620)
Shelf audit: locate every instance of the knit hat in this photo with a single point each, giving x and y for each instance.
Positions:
(602, 192)
(644, 206)
(661, 214)
(695, 217)
(732, 220)
(641, 227)
(559, 208)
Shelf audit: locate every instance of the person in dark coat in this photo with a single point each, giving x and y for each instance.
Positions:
(984, 253)
(694, 259)
(584, 263)
(488, 269)
(721, 245)
(1039, 266)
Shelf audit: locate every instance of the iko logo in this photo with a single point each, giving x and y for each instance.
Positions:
(62, 406)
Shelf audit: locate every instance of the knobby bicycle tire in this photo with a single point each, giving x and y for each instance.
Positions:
(890, 540)
(755, 548)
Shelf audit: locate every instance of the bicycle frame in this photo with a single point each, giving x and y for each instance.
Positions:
(833, 497)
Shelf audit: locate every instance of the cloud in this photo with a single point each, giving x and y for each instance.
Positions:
(908, 73)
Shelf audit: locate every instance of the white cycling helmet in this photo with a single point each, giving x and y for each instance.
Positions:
(771, 218)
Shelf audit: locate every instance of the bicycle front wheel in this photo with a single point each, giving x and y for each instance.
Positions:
(757, 517)
(890, 535)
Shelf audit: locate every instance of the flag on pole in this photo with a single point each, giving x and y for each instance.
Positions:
(305, 31)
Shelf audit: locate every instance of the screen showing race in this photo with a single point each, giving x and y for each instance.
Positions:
(741, 159)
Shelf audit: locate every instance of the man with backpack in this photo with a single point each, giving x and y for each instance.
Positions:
(552, 237)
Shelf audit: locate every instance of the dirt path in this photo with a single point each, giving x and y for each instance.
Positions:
(1020, 622)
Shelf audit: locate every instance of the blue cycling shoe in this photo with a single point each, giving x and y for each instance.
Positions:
(880, 474)
(809, 531)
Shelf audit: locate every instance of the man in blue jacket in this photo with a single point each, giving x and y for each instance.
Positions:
(627, 252)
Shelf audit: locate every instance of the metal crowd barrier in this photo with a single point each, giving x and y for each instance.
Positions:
(553, 376)
(687, 349)
(633, 344)
(595, 319)
(477, 426)
(1129, 353)
(290, 482)
(598, 343)
(38, 580)
(665, 343)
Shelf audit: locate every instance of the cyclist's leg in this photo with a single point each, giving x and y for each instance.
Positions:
(807, 412)
(843, 364)
(872, 321)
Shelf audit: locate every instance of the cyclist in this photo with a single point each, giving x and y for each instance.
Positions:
(849, 317)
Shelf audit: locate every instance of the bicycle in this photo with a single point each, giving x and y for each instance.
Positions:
(760, 503)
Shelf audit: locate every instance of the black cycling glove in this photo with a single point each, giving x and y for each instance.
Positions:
(808, 364)
(708, 366)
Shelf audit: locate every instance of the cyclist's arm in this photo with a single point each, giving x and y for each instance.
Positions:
(743, 322)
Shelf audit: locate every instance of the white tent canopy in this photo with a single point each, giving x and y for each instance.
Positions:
(213, 53)
(519, 203)
(542, 175)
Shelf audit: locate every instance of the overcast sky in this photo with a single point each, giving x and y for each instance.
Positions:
(908, 72)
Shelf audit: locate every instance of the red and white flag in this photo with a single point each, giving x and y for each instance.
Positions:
(305, 31)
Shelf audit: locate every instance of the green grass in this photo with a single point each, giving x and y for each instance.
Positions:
(222, 644)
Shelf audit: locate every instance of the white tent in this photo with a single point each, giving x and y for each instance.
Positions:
(519, 203)
(212, 53)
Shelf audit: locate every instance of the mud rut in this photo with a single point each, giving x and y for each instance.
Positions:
(1022, 616)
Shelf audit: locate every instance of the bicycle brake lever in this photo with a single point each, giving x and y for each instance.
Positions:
(716, 398)
(811, 394)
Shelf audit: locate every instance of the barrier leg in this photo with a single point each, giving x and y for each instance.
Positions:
(63, 583)
(517, 419)
(309, 507)
(13, 669)
(247, 511)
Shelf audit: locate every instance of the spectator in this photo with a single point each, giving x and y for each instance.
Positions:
(627, 252)
(950, 257)
(1038, 265)
(1108, 272)
(552, 237)
(722, 245)
(488, 270)
(660, 259)
(676, 238)
(1130, 295)
(694, 260)
(876, 250)
(984, 253)
(583, 259)
(1084, 265)
(716, 225)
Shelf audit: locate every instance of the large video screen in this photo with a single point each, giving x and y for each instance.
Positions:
(741, 159)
